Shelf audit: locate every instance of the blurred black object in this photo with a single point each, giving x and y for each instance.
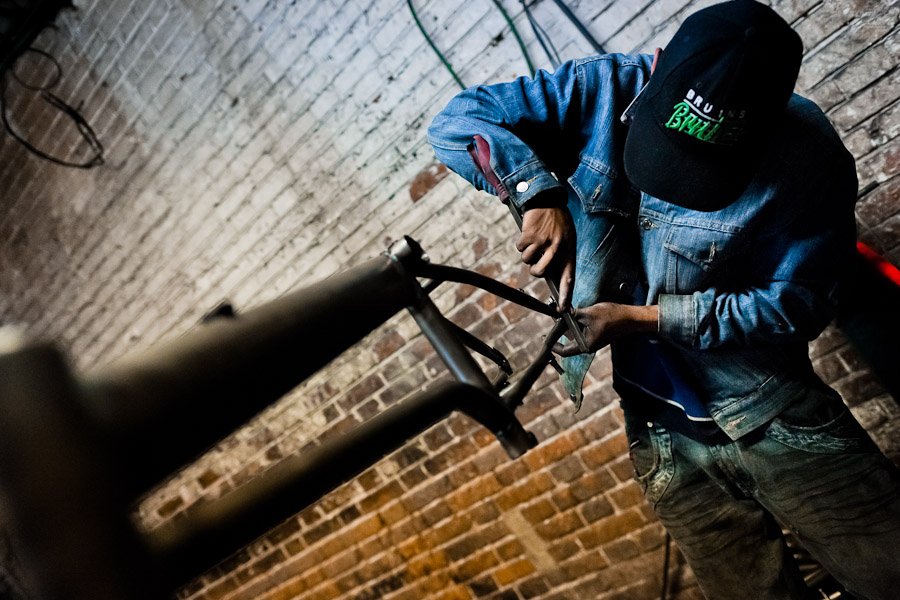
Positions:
(869, 315)
(20, 23)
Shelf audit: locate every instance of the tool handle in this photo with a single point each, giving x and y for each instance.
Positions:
(480, 152)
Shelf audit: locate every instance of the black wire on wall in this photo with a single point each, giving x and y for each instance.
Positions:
(20, 23)
(539, 32)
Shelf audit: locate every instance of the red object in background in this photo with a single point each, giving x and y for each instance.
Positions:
(878, 261)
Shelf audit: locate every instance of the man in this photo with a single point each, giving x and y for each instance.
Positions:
(698, 219)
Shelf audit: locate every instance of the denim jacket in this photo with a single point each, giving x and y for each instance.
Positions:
(740, 290)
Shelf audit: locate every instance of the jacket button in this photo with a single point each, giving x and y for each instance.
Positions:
(622, 286)
(522, 187)
(646, 223)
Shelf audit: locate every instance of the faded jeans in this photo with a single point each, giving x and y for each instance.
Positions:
(813, 469)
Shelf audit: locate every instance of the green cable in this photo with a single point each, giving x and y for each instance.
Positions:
(444, 60)
(433, 47)
(516, 33)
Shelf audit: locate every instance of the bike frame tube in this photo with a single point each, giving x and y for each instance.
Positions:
(209, 532)
(195, 390)
(191, 392)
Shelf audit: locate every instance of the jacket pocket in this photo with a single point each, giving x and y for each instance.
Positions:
(597, 186)
(695, 254)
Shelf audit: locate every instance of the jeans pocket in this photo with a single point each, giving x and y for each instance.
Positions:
(838, 435)
(650, 450)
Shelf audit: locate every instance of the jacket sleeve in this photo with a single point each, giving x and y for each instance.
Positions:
(534, 127)
(792, 269)
(514, 118)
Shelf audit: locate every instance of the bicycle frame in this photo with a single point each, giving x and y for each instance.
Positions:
(89, 436)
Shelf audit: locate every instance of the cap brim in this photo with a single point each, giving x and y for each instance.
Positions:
(690, 174)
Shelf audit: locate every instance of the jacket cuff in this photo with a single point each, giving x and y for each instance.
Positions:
(677, 318)
(529, 181)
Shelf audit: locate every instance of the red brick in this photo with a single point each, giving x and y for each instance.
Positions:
(474, 541)
(369, 479)
(511, 549)
(627, 496)
(457, 525)
(261, 566)
(424, 565)
(477, 564)
(393, 513)
(533, 587)
(560, 550)
(208, 478)
(437, 436)
(426, 494)
(560, 525)
(601, 426)
(466, 315)
(534, 486)
(553, 451)
(381, 496)
(361, 391)
(512, 472)
(435, 513)
(488, 302)
(621, 550)
(388, 344)
(537, 403)
(322, 530)
(577, 567)
(413, 477)
(283, 531)
(563, 498)
(596, 508)
(485, 586)
(452, 455)
(489, 328)
(539, 511)
(220, 589)
(622, 469)
(468, 495)
(462, 473)
(611, 528)
(517, 570)
(513, 312)
(602, 453)
(364, 527)
(567, 469)
(485, 512)
(457, 592)
(401, 387)
(591, 484)
(169, 508)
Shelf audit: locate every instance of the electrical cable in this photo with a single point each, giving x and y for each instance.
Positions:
(84, 129)
(542, 37)
(581, 28)
(515, 32)
(433, 47)
(446, 63)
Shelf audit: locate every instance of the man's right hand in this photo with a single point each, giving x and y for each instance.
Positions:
(547, 244)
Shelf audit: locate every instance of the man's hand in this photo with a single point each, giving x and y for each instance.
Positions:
(605, 322)
(547, 244)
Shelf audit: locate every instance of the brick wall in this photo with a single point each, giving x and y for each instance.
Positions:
(255, 146)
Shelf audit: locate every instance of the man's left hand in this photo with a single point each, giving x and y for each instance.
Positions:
(605, 322)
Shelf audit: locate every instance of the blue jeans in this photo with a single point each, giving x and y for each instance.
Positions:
(812, 469)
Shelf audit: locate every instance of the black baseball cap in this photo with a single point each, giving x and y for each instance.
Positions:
(717, 94)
